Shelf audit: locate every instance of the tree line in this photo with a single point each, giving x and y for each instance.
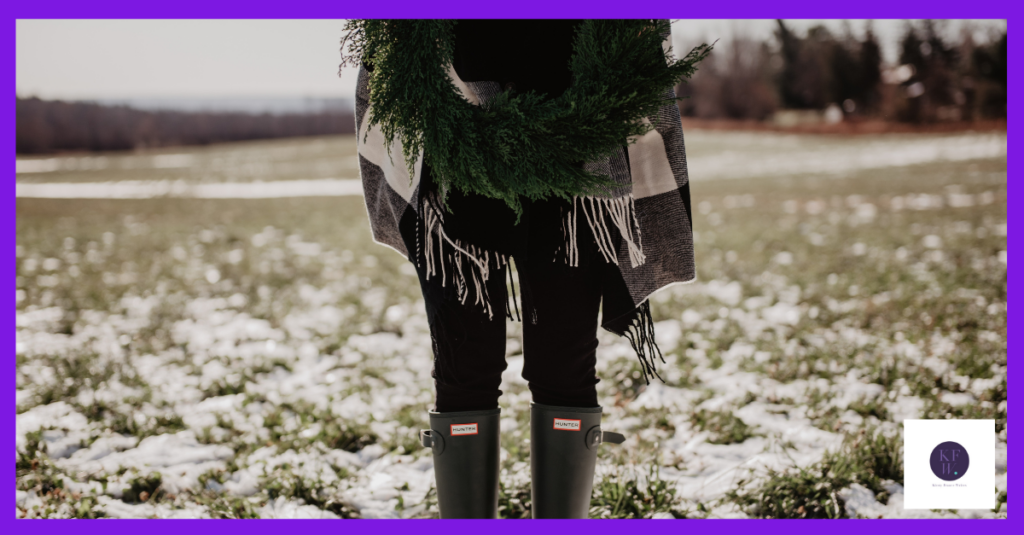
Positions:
(45, 126)
(937, 78)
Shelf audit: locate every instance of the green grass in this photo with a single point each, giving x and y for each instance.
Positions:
(874, 295)
(629, 496)
(869, 459)
(723, 426)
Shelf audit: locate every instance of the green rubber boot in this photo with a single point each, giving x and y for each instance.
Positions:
(563, 454)
(466, 454)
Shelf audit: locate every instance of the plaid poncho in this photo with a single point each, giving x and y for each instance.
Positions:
(644, 227)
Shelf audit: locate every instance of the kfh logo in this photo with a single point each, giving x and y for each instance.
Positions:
(950, 461)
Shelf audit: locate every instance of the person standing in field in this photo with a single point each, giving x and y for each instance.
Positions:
(554, 145)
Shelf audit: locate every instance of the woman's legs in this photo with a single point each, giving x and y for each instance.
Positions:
(559, 314)
(560, 305)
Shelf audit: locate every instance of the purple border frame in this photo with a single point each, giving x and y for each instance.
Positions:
(939, 9)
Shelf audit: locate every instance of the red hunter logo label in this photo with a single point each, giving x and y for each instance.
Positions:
(464, 429)
(563, 424)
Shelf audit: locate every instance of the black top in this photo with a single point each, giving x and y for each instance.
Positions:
(533, 55)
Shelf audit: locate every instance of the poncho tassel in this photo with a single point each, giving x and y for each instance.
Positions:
(512, 284)
(469, 266)
(599, 211)
(640, 334)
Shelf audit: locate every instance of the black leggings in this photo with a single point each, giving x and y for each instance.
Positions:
(560, 305)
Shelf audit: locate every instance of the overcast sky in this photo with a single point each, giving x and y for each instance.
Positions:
(123, 59)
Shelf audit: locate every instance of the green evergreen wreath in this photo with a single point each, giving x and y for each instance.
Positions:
(516, 144)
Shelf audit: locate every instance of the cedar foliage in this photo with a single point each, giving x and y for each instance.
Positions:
(517, 145)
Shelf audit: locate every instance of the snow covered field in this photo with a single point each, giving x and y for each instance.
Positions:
(263, 358)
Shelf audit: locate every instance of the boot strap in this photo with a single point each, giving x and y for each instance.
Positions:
(612, 437)
(596, 436)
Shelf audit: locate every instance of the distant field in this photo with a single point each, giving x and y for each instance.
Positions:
(264, 358)
(250, 161)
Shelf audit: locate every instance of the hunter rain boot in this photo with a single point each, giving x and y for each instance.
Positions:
(563, 455)
(466, 450)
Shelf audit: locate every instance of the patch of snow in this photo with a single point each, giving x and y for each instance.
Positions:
(284, 508)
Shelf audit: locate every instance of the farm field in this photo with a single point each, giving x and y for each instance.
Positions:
(193, 357)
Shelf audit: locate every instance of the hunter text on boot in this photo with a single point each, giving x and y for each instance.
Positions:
(463, 429)
(563, 424)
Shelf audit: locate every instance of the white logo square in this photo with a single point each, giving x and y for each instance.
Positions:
(949, 464)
